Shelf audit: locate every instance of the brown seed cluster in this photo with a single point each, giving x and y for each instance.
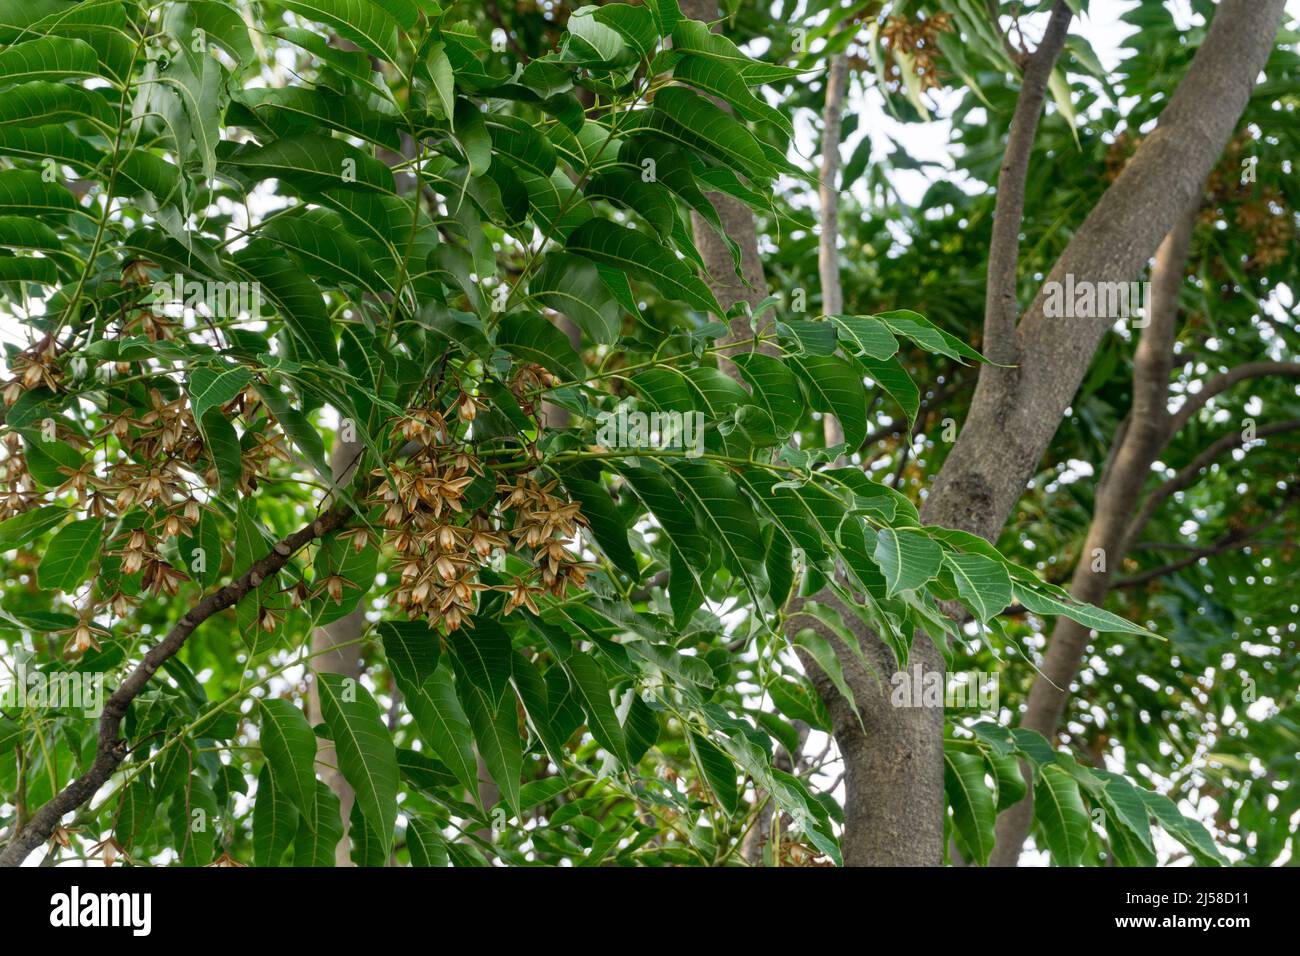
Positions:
(152, 462)
(33, 368)
(918, 39)
(442, 543)
(17, 487)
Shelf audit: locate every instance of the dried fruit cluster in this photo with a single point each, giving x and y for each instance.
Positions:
(918, 41)
(148, 477)
(443, 544)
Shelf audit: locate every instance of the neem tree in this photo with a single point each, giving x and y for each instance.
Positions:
(429, 271)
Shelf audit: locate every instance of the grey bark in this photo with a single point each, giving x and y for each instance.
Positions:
(1000, 309)
(331, 658)
(1118, 489)
(828, 212)
(1015, 411)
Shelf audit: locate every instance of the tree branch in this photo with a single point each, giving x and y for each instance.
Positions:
(111, 750)
(828, 211)
(1236, 539)
(1224, 381)
(1016, 54)
(1000, 311)
(1187, 474)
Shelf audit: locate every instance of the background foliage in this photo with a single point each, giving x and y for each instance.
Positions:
(470, 231)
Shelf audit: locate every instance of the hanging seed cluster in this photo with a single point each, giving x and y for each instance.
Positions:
(442, 545)
(145, 479)
(919, 40)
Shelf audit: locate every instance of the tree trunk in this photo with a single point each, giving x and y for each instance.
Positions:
(335, 651)
(828, 208)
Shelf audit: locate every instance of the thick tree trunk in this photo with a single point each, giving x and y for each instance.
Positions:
(1015, 411)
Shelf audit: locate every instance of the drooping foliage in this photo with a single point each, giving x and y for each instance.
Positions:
(336, 305)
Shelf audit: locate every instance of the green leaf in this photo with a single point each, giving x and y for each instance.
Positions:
(412, 649)
(319, 242)
(724, 514)
(275, 821)
(50, 462)
(1124, 802)
(898, 385)
(534, 339)
(212, 387)
(311, 162)
(317, 837)
(223, 448)
(607, 526)
(367, 757)
(444, 727)
(774, 387)
(864, 335)
(521, 143)
(484, 655)
(1010, 781)
(971, 801)
(642, 258)
(982, 583)
(290, 748)
(926, 334)
(205, 545)
(821, 650)
(695, 37)
(1060, 812)
(48, 58)
(496, 730)
(296, 298)
(907, 558)
(592, 690)
(361, 21)
(1190, 833)
(723, 81)
(697, 123)
(719, 771)
(70, 553)
(572, 286)
(425, 843)
(26, 527)
(1094, 617)
(39, 103)
(835, 386)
